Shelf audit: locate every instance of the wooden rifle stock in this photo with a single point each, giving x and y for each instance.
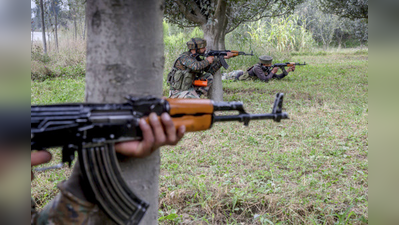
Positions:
(195, 114)
(198, 114)
(235, 53)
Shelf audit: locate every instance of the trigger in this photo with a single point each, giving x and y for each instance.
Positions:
(68, 153)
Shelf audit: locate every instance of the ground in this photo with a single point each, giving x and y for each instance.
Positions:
(310, 169)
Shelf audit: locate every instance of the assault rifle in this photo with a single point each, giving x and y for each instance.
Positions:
(220, 54)
(282, 65)
(91, 129)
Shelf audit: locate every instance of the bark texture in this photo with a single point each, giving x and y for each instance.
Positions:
(56, 29)
(214, 34)
(43, 28)
(125, 56)
(74, 23)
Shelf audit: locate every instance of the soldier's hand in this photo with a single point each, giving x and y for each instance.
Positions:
(291, 68)
(155, 135)
(229, 55)
(210, 59)
(275, 69)
(37, 158)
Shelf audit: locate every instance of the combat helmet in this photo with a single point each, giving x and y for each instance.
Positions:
(265, 59)
(196, 43)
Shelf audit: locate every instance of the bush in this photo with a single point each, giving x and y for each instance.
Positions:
(72, 71)
(69, 61)
(42, 73)
(37, 54)
(282, 34)
(278, 37)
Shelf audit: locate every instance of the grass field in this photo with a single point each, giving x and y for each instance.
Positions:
(310, 169)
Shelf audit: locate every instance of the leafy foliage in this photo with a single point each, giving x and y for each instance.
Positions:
(201, 12)
(351, 9)
(284, 34)
(329, 28)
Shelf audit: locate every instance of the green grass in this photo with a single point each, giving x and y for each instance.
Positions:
(58, 90)
(310, 169)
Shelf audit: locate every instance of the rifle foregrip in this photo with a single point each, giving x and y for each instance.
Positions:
(191, 122)
(235, 53)
(194, 123)
(180, 106)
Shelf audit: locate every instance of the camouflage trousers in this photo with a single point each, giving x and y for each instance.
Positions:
(236, 75)
(193, 92)
(65, 208)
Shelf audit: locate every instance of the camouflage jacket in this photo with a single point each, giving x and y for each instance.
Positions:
(66, 208)
(196, 65)
(264, 72)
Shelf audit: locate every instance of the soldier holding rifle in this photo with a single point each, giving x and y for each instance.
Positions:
(264, 71)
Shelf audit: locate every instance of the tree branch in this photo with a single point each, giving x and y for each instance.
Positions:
(248, 19)
(199, 19)
(218, 9)
(178, 22)
(198, 12)
(253, 19)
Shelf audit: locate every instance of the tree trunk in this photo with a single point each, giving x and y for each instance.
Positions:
(50, 25)
(81, 25)
(74, 23)
(48, 41)
(84, 28)
(43, 28)
(56, 29)
(125, 56)
(213, 43)
(324, 43)
(340, 40)
(31, 41)
(214, 34)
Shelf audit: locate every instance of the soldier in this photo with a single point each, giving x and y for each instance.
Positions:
(260, 71)
(74, 204)
(189, 67)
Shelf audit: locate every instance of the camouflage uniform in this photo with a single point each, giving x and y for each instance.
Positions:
(257, 71)
(196, 67)
(65, 208)
(192, 67)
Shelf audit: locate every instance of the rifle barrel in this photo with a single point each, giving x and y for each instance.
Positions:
(247, 117)
(227, 106)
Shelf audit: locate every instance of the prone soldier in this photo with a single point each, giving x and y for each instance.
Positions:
(262, 70)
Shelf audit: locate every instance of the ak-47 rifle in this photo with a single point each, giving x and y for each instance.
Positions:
(92, 129)
(282, 65)
(220, 54)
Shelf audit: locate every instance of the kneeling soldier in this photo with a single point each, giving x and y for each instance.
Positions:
(189, 67)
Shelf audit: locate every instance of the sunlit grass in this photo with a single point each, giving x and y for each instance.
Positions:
(310, 169)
